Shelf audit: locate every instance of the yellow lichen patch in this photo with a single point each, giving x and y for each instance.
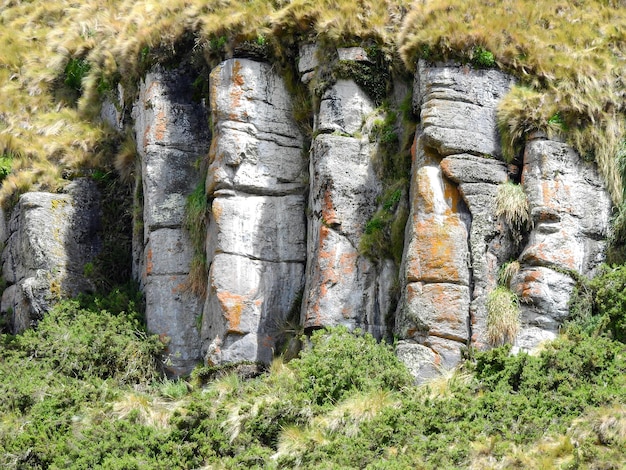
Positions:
(232, 307)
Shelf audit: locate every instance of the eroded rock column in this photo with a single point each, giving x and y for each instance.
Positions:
(172, 135)
(51, 237)
(344, 287)
(570, 209)
(256, 244)
(454, 244)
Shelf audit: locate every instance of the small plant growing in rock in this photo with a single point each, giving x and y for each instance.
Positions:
(512, 206)
(502, 316)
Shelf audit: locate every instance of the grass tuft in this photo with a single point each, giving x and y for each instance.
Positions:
(502, 316)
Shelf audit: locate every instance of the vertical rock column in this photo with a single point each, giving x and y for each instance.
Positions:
(51, 238)
(256, 244)
(454, 245)
(570, 209)
(172, 134)
(343, 287)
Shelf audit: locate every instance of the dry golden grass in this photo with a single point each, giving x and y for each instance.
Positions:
(502, 316)
(569, 57)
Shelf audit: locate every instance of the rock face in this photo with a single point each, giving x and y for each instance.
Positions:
(570, 209)
(453, 244)
(256, 243)
(51, 237)
(172, 136)
(343, 287)
(285, 228)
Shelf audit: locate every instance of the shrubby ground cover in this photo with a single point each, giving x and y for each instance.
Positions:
(84, 390)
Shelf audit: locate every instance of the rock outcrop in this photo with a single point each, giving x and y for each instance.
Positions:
(285, 227)
(570, 209)
(256, 243)
(451, 248)
(51, 237)
(172, 137)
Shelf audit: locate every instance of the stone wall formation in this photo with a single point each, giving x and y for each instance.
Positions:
(284, 224)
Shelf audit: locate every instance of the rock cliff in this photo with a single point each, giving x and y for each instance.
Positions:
(286, 219)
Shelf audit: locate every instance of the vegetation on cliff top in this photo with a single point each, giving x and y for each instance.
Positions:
(58, 60)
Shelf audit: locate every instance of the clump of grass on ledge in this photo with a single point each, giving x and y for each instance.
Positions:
(512, 206)
(568, 57)
(502, 316)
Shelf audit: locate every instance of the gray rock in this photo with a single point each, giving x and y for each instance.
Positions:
(257, 144)
(308, 60)
(260, 227)
(256, 243)
(343, 108)
(467, 168)
(421, 361)
(247, 298)
(172, 133)
(51, 239)
(174, 314)
(457, 106)
(355, 54)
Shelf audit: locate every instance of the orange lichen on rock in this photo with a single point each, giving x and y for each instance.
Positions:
(440, 252)
(149, 262)
(160, 126)
(232, 307)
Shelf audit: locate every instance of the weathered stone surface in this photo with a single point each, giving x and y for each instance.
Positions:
(544, 295)
(256, 244)
(454, 244)
(260, 227)
(338, 281)
(172, 133)
(246, 307)
(169, 176)
(570, 210)
(344, 185)
(467, 168)
(51, 238)
(257, 145)
(343, 108)
(168, 251)
(457, 105)
(308, 60)
(355, 54)
(343, 287)
(422, 362)
(570, 207)
(172, 312)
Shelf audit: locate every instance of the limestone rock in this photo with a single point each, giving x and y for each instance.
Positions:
(570, 210)
(257, 145)
(457, 105)
(256, 243)
(342, 286)
(172, 133)
(51, 239)
(343, 108)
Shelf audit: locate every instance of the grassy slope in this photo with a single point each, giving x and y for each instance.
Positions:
(569, 57)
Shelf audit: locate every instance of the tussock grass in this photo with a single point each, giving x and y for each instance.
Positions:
(58, 59)
(512, 206)
(502, 316)
(569, 58)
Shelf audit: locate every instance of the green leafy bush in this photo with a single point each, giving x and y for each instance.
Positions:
(609, 299)
(81, 343)
(338, 363)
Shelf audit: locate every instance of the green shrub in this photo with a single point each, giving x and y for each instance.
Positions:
(609, 288)
(337, 363)
(82, 343)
